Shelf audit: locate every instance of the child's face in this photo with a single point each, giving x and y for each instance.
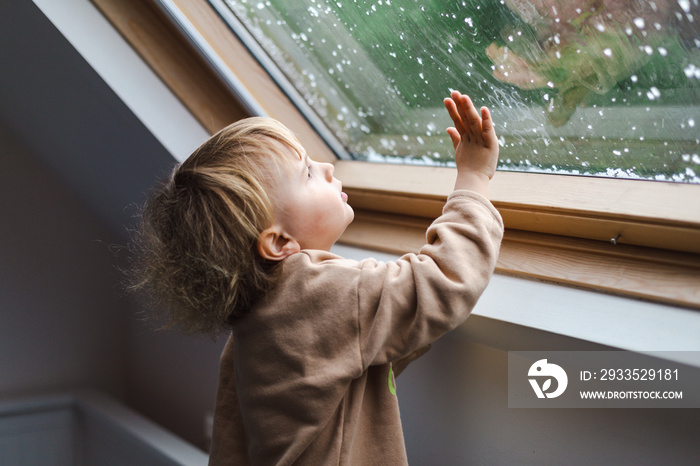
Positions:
(313, 210)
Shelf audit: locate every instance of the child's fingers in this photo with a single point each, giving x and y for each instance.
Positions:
(487, 127)
(463, 103)
(454, 135)
(472, 117)
(457, 99)
(456, 95)
(451, 107)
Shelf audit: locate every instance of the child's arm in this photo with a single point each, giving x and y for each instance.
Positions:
(475, 143)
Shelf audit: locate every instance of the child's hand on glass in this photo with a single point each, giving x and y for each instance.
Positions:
(475, 142)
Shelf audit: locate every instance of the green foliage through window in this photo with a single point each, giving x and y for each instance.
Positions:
(587, 87)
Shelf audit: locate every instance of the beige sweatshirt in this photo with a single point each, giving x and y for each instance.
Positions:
(307, 377)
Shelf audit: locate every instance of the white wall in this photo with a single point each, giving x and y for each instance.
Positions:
(62, 322)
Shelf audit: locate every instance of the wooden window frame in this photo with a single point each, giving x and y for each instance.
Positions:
(634, 238)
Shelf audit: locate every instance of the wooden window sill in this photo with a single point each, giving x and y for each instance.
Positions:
(642, 213)
(640, 272)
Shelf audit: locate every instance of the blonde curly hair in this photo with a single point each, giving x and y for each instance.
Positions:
(196, 247)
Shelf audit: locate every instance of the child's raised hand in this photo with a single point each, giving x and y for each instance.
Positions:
(475, 142)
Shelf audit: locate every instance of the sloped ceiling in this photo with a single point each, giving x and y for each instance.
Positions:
(54, 103)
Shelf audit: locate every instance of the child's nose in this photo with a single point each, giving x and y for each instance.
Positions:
(328, 168)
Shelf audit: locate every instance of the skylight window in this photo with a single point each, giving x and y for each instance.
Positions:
(607, 88)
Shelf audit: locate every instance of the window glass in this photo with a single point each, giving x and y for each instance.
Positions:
(585, 87)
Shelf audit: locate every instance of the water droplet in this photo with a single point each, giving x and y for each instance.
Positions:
(653, 93)
(692, 71)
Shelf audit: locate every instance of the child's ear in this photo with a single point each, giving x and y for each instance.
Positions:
(274, 244)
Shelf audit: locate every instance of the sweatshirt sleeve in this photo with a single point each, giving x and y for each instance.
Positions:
(408, 304)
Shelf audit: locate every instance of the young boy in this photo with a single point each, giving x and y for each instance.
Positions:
(239, 237)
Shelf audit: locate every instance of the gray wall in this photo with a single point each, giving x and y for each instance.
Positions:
(75, 164)
(172, 378)
(62, 321)
(65, 320)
